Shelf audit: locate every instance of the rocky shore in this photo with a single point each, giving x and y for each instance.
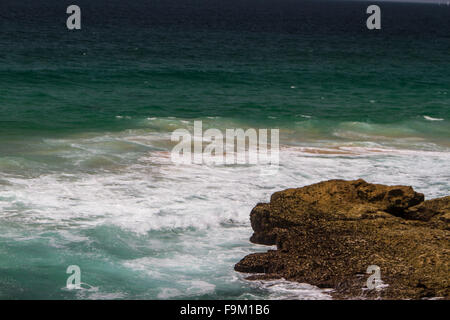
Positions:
(328, 234)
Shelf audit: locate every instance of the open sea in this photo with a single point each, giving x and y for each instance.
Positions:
(86, 118)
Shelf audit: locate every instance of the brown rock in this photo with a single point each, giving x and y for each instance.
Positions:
(327, 234)
(435, 211)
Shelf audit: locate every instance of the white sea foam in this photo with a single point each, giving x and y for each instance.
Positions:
(288, 290)
(194, 218)
(167, 293)
(432, 119)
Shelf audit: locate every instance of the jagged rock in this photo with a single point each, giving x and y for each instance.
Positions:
(327, 234)
(435, 211)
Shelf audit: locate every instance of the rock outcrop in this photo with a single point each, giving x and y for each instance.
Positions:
(328, 234)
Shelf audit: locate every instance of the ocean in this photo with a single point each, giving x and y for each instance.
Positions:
(87, 116)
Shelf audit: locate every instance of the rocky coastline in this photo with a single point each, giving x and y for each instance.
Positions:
(328, 234)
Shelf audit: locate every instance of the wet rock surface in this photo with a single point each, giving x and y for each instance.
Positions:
(328, 234)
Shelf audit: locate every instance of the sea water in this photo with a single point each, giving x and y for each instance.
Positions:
(87, 115)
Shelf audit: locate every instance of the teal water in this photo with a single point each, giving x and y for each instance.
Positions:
(86, 119)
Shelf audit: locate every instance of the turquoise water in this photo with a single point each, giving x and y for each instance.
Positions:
(85, 171)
